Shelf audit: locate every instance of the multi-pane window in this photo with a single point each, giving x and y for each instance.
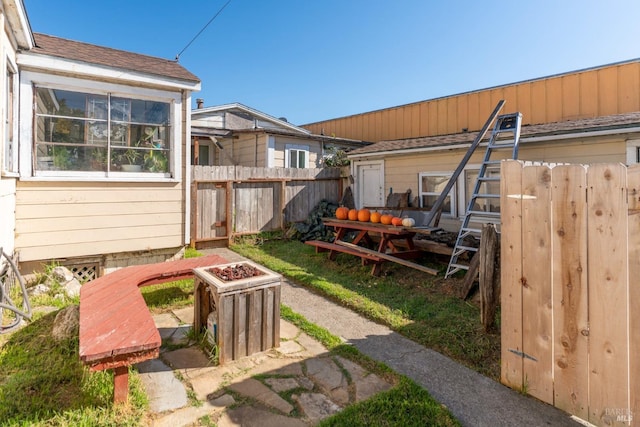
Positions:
(78, 131)
(297, 156)
(431, 186)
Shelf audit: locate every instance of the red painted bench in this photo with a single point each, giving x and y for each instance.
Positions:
(116, 327)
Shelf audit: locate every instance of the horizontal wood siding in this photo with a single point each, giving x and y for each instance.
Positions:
(401, 172)
(58, 220)
(601, 91)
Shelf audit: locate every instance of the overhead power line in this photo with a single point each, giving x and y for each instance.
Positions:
(203, 28)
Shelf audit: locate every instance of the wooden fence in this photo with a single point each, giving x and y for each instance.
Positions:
(233, 200)
(570, 265)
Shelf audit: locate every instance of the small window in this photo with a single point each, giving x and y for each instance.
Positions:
(431, 186)
(297, 156)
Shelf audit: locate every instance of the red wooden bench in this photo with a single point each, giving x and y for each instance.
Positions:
(116, 327)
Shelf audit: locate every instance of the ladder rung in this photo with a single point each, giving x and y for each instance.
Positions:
(486, 196)
(467, 231)
(460, 266)
(466, 249)
(484, 213)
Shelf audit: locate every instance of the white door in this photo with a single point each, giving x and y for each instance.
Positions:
(370, 184)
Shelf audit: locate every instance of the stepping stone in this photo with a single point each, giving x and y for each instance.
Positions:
(187, 358)
(366, 383)
(184, 315)
(165, 391)
(324, 372)
(313, 347)
(282, 384)
(256, 390)
(247, 416)
(289, 347)
(288, 331)
(316, 406)
(191, 414)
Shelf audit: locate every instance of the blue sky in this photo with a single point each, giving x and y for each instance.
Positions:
(312, 60)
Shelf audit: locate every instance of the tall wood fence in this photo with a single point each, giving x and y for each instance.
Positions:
(233, 200)
(570, 265)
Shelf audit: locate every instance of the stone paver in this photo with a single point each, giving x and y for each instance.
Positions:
(255, 389)
(164, 390)
(247, 416)
(290, 347)
(184, 315)
(288, 331)
(187, 415)
(366, 383)
(316, 406)
(282, 384)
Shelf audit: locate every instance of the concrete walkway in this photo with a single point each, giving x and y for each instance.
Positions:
(474, 399)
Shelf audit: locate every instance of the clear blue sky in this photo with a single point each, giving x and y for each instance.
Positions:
(312, 60)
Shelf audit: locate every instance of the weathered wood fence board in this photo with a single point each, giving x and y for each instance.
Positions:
(232, 200)
(570, 316)
(569, 283)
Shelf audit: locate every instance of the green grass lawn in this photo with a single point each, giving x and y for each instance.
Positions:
(417, 305)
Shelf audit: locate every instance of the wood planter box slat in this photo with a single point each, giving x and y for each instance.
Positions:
(247, 310)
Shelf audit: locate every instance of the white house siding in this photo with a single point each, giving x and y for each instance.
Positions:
(7, 214)
(66, 220)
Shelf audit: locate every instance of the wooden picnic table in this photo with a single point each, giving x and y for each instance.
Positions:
(363, 245)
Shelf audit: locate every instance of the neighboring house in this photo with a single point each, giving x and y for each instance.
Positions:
(103, 147)
(16, 35)
(586, 116)
(236, 135)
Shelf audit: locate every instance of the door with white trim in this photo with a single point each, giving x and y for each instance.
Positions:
(370, 184)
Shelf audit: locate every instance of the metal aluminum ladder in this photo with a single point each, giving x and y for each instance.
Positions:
(505, 136)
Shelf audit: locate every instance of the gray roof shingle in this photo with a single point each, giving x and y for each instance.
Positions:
(618, 121)
(113, 58)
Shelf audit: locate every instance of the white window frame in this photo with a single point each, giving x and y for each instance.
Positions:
(29, 80)
(289, 148)
(452, 193)
(9, 166)
(633, 151)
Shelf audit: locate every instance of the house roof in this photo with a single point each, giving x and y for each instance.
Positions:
(236, 106)
(619, 123)
(108, 57)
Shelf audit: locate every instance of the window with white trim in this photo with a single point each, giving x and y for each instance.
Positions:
(633, 151)
(431, 185)
(100, 132)
(296, 156)
(10, 163)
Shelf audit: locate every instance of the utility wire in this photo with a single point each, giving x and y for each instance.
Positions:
(203, 28)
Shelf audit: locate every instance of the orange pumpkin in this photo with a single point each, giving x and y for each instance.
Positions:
(375, 217)
(364, 215)
(342, 212)
(386, 219)
(396, 221)
(353, 214)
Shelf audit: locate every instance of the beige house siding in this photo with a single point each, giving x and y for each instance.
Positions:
(315, 151)
(402, 170)
(7, 213)
(57, 219)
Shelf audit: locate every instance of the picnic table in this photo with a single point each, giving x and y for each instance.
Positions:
(364, 246)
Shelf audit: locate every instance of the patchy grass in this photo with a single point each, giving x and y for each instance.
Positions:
(419, 306)
(43, 382)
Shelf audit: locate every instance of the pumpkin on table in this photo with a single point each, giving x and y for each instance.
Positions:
(386, 219)
(364, 215)
(396, 221)
(353, 214)
(342, 212)
(375, 217)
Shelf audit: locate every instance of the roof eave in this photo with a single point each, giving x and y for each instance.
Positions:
(48, 63)
(523, 139)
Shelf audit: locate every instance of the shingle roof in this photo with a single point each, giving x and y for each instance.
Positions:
(85, 52)
(618, 121)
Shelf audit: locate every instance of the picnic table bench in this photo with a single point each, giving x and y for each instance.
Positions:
(116, 327)
(360, 246)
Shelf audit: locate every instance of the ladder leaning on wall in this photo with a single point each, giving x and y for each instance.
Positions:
(479, 209)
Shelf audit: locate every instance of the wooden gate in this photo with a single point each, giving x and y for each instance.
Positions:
(570, 298)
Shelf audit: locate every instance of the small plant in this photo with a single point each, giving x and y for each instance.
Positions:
(62, 158)
(155, 161)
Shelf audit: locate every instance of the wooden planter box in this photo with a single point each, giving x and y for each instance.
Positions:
(247, 310)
